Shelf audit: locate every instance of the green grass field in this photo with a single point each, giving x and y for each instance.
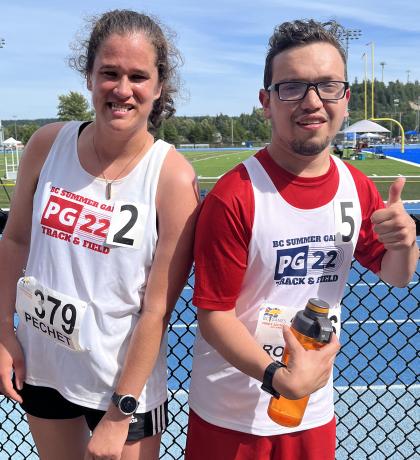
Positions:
(213, 164)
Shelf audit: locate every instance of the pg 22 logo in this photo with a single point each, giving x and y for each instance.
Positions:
(73, 218)
(302, 261)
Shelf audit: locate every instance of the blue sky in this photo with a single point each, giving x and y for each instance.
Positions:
(223, 43)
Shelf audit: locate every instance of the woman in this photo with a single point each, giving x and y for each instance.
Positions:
(105, 256)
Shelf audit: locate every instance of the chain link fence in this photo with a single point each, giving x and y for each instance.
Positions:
(376, 374)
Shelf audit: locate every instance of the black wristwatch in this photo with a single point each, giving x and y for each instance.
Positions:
(267, 384)
(127, 404)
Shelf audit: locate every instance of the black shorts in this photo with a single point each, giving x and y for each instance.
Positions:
(47, 403)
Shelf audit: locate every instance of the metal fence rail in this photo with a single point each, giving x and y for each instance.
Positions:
(376, 373)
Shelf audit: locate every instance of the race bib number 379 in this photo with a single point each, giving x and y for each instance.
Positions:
(55, 315)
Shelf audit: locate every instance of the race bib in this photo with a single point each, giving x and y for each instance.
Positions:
(55, 315)
(271, 319)
(127, 224)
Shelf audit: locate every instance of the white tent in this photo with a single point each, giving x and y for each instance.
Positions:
(371, 136)
(365, 126)
(11, 142)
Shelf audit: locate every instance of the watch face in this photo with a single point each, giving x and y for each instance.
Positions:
(128, 405)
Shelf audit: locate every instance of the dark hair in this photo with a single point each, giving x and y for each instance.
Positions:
(123, 22)
(299, 33)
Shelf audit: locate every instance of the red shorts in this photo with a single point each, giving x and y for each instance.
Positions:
(209, 442)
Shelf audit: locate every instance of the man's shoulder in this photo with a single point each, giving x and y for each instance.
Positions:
(231, 198)
(233, 183)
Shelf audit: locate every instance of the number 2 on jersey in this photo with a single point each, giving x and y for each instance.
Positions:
(127, 224)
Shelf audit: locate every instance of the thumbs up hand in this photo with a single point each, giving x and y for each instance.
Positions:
(394, 227)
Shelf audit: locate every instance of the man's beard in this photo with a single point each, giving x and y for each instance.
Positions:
(310, 148)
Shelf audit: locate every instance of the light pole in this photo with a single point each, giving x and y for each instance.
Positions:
(2, 43)
(382, 64)
(231, 129)
(345, 35)
(365, 84)
(372, 47)
(396, 104)
(15, 117)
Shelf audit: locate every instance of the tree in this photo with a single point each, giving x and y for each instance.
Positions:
(168, 132)
(26, 131)
(208, 130)
(73, 106)
(22, 133)
(195, 135)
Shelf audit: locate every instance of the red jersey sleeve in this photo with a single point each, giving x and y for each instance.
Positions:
(369, 250)
(222, 238)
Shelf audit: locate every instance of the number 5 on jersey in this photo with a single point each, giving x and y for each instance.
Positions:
(344, 213)
(127, 224)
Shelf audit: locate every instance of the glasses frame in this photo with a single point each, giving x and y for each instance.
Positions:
(309, 85)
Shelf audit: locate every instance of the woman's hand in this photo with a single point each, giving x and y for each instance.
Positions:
(11, 360)
(108, 438)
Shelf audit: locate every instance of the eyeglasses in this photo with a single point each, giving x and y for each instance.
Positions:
(297, 90)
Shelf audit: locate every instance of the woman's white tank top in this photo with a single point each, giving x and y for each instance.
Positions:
(69, 257)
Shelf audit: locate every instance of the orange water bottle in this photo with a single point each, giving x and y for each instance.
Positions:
(313, 329)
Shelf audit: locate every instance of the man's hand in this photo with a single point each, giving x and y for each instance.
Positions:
(307, 370)
(394, 227)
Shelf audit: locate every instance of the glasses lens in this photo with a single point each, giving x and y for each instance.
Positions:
(331, 90)
(292, 91)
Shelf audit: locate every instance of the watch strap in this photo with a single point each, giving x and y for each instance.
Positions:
(115, 398)
(267, 384)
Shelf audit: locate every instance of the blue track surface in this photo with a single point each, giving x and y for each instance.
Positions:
(411, 152)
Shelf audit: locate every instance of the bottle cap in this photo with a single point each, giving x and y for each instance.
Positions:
(318, 306)
(313, 321)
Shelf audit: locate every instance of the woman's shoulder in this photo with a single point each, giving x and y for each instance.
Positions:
(38, 147)
(177, 169)
(45, 136)
(177, 181)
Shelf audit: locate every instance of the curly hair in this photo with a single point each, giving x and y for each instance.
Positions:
(298, 33)
(123, 22)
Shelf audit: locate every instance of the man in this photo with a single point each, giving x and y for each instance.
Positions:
(275, 231)
(337, 151)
